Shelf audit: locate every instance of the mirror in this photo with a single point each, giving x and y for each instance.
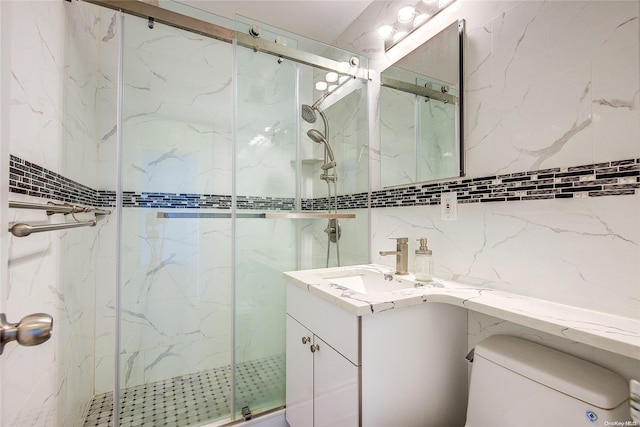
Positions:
(421, 112)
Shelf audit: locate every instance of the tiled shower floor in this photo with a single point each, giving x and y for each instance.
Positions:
(193, 399)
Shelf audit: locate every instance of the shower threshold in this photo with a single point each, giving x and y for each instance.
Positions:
(194, 399)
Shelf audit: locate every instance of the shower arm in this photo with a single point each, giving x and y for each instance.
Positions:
(323, 97)
(326, 136)
(326, 123)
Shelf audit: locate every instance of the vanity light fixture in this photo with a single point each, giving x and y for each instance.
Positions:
(410, 18)
(332, 88)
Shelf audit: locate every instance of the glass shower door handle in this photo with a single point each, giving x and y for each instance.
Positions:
(33, 329)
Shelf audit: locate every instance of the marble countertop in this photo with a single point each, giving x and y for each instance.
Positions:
(605, 331)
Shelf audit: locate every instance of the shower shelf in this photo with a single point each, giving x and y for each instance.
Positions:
(299, 215)
(290, 215)
(310, 161)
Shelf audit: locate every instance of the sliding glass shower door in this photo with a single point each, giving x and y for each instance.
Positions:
(176, 293)
(212, 149)
(266, 182)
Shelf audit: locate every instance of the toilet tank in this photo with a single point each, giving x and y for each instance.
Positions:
(515, 382)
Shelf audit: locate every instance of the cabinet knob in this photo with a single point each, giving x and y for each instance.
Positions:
(306, 340)
(314, 348)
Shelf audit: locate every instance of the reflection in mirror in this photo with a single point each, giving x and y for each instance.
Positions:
(421, 112)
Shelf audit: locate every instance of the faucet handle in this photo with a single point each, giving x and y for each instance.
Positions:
(400, 239)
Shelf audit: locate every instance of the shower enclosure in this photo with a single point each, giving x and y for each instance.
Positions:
(213, 156)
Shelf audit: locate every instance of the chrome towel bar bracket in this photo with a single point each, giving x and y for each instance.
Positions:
(23, 230)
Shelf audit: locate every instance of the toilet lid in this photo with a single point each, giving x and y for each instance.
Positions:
(567, 374)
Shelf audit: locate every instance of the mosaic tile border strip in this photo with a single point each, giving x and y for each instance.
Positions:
(203, 201)
(621, 177)
(595, 180)
(347, 201)
(34, 180)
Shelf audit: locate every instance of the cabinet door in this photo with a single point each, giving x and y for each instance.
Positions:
(335, 379)
(299, 370)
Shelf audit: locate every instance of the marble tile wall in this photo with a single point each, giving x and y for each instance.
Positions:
(50, 87)
(548, 85)
(482, 326)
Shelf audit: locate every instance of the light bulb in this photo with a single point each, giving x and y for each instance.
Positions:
(385, 31)
(321, 86)
(406, 14)
(344, 67)
(331, 76)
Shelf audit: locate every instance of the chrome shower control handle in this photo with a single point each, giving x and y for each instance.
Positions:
(33, 329)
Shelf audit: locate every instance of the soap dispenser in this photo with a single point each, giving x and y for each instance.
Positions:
(423, 264)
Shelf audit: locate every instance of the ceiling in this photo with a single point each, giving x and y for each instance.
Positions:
(321, 20)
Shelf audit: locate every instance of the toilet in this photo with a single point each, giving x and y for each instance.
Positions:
(515, 382)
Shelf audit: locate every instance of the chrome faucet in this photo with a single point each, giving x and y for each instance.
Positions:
(402, 255)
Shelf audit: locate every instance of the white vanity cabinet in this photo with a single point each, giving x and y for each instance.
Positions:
(404, 366)
(322, 382)
(322, 385)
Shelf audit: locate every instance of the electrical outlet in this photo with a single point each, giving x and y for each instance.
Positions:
(449, 206)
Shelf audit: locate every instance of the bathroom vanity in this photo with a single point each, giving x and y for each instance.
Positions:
(366, 347)
(350, 369)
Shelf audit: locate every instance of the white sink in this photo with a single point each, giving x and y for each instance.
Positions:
(368, 281)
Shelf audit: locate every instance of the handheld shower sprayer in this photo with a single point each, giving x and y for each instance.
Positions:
(319, 138)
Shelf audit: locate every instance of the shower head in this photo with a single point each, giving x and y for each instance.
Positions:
(308, 113)
(319, 138)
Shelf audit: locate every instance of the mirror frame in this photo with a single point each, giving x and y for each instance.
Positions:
(416, 90)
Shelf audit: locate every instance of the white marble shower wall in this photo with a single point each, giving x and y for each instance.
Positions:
(178, 110)
(175, 296)
(266, 153)
(177, 143)
(548, 84)
(349, 125)
(52, 55)
(266, 146)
